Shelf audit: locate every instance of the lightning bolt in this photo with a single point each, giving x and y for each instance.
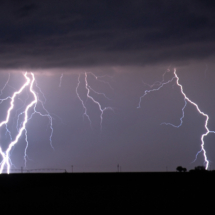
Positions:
(41, 92)
(181, 119)
(89, 89)
(160, 85)
(6, 154)
(102, 110)
(98, 78)
(1, 91)
(61, 77)
(186, 99)
(47, 114)
(82, 102)
(32, 105)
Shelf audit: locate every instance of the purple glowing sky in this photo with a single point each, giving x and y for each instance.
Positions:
(129, 44)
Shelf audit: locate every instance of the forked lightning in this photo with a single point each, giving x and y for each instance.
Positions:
(6, 161)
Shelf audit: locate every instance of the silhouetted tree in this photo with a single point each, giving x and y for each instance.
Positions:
(184, 170)
(179, 168)
(200, 168)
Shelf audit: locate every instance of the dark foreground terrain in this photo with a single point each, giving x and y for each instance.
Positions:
(72, 193)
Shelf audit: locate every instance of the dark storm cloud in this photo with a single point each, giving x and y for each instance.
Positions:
(25, 10)
(56, 34)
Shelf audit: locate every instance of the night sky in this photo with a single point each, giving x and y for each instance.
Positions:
(128, 45)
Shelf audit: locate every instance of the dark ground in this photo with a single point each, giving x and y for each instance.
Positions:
(72, 193)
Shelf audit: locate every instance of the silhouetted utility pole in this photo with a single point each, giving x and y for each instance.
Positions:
(72, 168)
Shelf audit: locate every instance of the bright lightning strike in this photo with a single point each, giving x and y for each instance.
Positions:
(186, 99)
(6, 154)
